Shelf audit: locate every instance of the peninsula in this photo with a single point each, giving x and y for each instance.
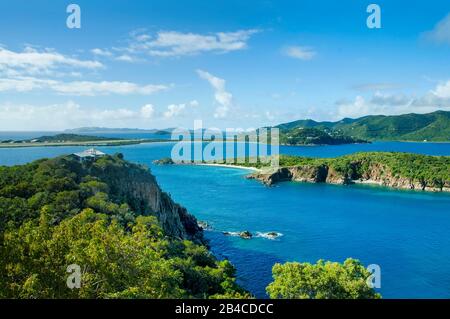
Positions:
(392, 169)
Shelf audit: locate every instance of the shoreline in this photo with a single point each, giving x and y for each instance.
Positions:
(367, 182)
(361, 182)
(249, 168)
(125, 142)
(87, 144)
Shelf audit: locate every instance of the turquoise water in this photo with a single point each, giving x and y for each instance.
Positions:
(405, 232)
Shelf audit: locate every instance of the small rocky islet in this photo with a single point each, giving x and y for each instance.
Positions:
(248, 235)
(204, 225)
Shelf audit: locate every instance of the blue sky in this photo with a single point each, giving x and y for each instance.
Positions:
(157, 64)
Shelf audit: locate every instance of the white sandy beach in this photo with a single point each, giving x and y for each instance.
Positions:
(229, 166)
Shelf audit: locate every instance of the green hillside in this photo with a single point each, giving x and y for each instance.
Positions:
(64, 137)
(407, 127)
(109, 217)
(314, 136)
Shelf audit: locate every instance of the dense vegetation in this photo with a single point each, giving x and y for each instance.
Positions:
(314, 136)
(324, 280)
(102, 130)
(58, 212)
(408, 127)
(64, 137)
(432, 171)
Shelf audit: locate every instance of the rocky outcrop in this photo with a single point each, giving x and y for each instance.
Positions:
(164, 161)
(376, 173)
(136, 186)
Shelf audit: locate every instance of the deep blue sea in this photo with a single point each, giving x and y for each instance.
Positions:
(407, 233)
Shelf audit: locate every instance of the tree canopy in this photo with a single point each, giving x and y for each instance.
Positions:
(323, 280)
(52, 215)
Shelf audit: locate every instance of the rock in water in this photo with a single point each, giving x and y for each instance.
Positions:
(164, 161)
(272, 235)
(246, 235)
(204, 225)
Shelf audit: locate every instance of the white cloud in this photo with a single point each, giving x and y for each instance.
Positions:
(356, 108)
(70, 115)
(147, 111)
(441, 32)
(443, 90)
(194, 103)
(23, 84)
(105, 87)
(114, 56)
(173, 43)
(392, 104)
(390, 99)
(222, 97)
(126, 58)
(31, 61)
(86, 88)
(298, 52)
(174, 110)
(101, 52)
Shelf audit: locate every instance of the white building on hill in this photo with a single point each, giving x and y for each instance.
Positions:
(90, 154)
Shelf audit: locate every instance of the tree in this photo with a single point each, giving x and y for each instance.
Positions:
(324, 280)
(58, 212)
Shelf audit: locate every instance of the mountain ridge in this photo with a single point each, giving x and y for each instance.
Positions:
(433, 126)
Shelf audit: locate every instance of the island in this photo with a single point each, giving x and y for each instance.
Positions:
(103, 130)
(69, 139)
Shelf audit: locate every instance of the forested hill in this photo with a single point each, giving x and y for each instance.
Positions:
(69, 138)
(397, 170)
(408, 127)
(109, 217)
(313, 136)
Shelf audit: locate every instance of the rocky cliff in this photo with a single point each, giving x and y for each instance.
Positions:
(374, 173)
(136, 186)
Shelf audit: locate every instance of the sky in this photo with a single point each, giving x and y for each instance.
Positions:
(231, 64)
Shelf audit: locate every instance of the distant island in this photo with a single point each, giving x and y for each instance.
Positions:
(407, 127)
(97, 130)
(392, 169)
(66, 139)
